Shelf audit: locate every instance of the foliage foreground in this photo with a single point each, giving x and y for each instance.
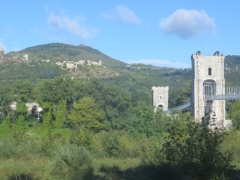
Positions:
(94, 130)
(184, 150)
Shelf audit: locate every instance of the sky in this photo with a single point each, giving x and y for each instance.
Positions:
(157, 32)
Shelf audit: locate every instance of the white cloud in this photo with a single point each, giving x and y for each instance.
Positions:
(187, 23)
(122, 14)
(73, 25)
(161, 63)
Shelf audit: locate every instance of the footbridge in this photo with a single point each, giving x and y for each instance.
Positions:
(232, 93)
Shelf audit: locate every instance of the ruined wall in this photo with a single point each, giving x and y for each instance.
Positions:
(2, 55)
(25, 56)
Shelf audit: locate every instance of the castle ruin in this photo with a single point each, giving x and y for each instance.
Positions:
(2, 55)
(25, 56)
(72, 64)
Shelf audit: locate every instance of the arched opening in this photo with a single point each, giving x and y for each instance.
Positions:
(209, 88)
(160, 106)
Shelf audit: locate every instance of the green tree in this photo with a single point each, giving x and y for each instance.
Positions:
(21, 125)
(142, 121)
(23, 89)
(60, 113)
(234, 113)
(184, 94)
(54, 90)
(85, 113)
(163, 122)
(82, 137)
(196, 150)
(112, 144)
(116, 102)
(47, 114)
(5, 99)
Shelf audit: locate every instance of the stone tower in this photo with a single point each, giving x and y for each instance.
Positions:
(160, 97)
(2, 55)
(207, 81)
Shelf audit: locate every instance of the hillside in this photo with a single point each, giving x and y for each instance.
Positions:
(136, 78)
(59, 52)
(232, 70)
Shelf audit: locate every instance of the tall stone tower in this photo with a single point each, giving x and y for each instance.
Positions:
(2, 55)
(207, 81)
(160, 97)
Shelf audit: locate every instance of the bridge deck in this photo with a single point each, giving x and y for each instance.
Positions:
(183, 107)
(223, 97)
(231, 97)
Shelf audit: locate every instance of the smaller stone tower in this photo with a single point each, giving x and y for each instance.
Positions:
(160, 97)
(2, 55)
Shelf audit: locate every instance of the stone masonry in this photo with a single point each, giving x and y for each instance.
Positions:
(208, 79)
(2, 55)
(160, 97)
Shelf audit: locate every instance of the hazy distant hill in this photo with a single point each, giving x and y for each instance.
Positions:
(61, 52)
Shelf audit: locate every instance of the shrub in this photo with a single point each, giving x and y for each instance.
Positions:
(113, 146)
(8, 148)
(72, 161)
(82, 137)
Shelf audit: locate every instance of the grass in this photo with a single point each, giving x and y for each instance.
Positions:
(5, 132)
(34, 168)
(122, 164)
(41, 168)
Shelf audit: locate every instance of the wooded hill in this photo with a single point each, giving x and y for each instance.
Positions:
(138, 77)
(59, 52)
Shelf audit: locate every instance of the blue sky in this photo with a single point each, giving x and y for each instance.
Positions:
(161, 33)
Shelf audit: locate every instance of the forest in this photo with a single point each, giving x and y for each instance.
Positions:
(105, 128)
(90, 129)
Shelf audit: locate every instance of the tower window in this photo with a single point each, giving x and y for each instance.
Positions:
(160, 97)
(209, 71)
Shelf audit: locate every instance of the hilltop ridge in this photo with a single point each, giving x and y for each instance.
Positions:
(59, 52)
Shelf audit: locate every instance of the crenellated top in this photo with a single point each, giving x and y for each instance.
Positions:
(160, 87)
(198, 53)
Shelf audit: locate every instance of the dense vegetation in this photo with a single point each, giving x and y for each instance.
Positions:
(94, 130)
(105, 128)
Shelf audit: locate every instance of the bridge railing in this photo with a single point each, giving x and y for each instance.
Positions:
(233, 96)
(232, 90)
